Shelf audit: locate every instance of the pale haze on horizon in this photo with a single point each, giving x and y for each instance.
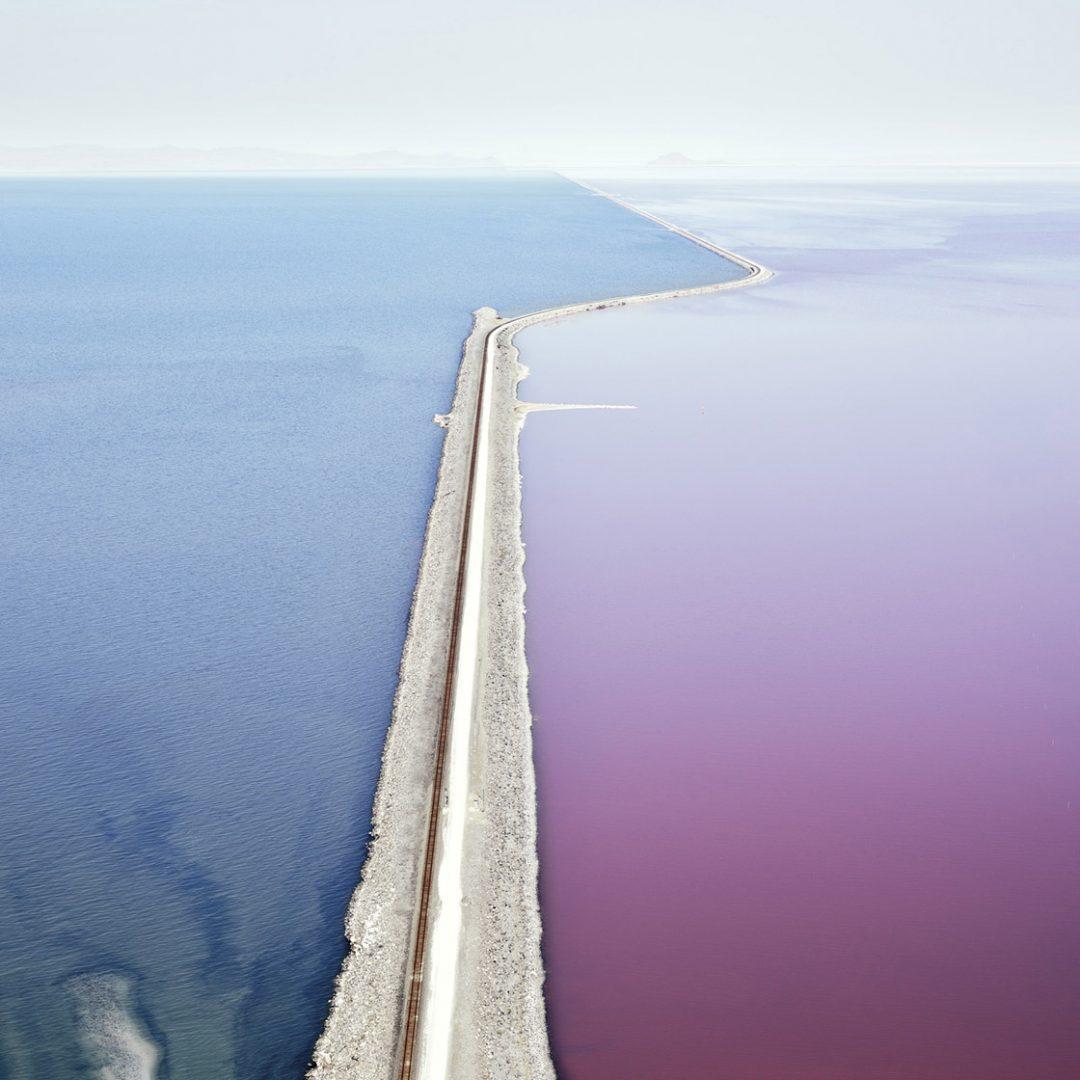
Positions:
(560, 82)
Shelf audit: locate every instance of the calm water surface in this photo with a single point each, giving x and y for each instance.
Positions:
(217, 460)
(803, 635)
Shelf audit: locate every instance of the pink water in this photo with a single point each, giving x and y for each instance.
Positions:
(803, 638)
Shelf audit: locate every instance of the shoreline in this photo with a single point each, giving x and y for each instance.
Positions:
(474, 986)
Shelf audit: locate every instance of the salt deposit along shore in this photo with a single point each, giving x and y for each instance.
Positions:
(444, 976)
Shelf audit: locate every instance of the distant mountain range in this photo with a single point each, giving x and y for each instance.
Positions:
(679, 161)
(83, 160)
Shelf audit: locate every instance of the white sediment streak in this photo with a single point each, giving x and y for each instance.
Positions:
(481, 1010)
(116, 1043)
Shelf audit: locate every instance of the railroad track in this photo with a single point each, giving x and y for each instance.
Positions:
(450, 683)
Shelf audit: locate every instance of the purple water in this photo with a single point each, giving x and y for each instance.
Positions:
(803, 634)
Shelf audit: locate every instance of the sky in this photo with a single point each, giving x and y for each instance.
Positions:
(555, 82)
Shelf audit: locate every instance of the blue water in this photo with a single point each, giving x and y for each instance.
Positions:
(218, 457)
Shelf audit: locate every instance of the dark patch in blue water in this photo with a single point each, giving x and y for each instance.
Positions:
(218, 459)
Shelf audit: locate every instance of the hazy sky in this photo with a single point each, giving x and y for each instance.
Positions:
(568, 81)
